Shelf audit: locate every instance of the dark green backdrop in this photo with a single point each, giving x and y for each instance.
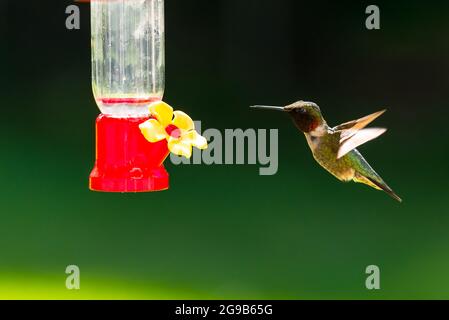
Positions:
(225, 231)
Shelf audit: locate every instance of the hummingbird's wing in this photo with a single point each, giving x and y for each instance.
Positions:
(359, 123)
(353, 135)
(358, 138)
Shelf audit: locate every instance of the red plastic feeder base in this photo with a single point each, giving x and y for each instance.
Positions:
(125, 160)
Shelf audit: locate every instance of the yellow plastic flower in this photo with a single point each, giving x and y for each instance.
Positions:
(175, 126)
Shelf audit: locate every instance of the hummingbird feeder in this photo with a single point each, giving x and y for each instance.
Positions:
(136, 130)
(127, 38)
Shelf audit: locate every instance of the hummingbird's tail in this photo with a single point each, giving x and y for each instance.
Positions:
(380, 185)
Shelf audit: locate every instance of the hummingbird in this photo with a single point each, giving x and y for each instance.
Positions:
(334, 148)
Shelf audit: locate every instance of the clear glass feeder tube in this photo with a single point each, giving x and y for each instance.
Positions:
(128, 63)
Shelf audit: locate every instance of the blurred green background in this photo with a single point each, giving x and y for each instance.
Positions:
(224, 231)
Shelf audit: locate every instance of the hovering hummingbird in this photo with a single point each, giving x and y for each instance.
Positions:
(335, 148)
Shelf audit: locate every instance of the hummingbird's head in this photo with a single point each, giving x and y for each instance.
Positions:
(306, 115)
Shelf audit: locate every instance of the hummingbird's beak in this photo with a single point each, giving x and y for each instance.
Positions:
(268, 108)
